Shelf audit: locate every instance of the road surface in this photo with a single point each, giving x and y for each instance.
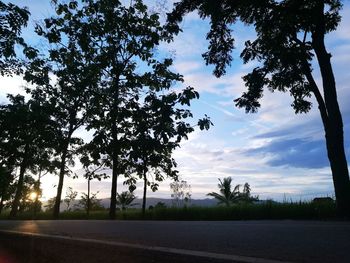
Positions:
(214, 241)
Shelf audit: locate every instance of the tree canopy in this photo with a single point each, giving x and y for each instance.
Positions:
(290, 34)
(12, 20)
(101, 71)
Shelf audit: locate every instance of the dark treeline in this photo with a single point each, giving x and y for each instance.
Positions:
(100, 71)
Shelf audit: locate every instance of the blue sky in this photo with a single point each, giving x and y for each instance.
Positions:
(281, 155)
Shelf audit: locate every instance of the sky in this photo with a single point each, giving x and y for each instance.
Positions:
(280, 154)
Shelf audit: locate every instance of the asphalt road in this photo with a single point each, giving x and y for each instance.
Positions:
(240, 241)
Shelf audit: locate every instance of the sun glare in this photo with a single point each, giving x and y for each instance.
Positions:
(33, 196)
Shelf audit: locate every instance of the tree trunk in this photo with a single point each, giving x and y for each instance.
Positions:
(115, 151)
(144, 193)
(1, 203)
(19, 188)
(113, 204)
(340, 173)
(37, 190)
(334, 128)
(88, 199)
(56, 208)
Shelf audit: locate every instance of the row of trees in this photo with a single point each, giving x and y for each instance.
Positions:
(90, 202)
(102, 54)
(101, 72)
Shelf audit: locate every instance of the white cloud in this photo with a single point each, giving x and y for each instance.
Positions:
(11, 85)
(201, 163)
(343, 31)
(185, 67)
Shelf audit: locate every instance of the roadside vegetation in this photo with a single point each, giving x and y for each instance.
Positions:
(243, 211)
(232, 204)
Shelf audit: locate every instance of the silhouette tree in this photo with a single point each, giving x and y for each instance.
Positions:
(68, 95)
(89, 202)
(246, 196)
(226, 195)
(26, 202)
(94, 169)
(50, 204)
(125, 199)
(181, 192)
(290, 34)
(159, 127)
(120, 43)
(70, 198)
(26, 134)
(12, 20)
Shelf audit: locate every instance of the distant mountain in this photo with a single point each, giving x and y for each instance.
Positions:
(151, 201)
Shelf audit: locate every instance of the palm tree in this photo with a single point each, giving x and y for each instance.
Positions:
(246, 196)
(125, 199)
(226, 196)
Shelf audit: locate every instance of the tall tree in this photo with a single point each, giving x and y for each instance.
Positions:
(25, 138)
(290, 34)
(159, 127)
(68, 93)
(120, 41)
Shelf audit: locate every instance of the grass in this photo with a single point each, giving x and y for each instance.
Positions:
(297, 211)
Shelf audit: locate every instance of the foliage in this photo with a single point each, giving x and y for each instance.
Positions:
(181, 193)
(228, 197)
(68, 96)
(125, 199)
(6, 187)
(246, 196)
(12, 20)
(160, 205)
(160, 125)
(283, 45)
(27, 203)
(24, 139)
(289, 35)
(25, 133)
(116, 45)
(90, 203)
(70, 198)
(241, 211)
(94, 168)
(50, 204)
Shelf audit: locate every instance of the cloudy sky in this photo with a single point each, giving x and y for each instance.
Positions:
(280, 154)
